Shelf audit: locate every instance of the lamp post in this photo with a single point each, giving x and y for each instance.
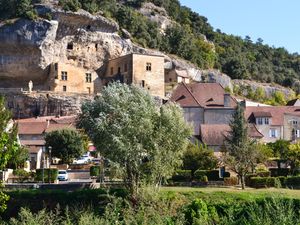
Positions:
(50, 161)
(43, 150)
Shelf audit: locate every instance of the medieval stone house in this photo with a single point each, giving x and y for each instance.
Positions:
(146, 71)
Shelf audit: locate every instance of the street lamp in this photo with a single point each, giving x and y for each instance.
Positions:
(50, 161)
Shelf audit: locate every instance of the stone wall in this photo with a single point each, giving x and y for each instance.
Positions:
(25, 105)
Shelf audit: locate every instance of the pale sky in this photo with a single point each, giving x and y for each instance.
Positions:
(277, 22)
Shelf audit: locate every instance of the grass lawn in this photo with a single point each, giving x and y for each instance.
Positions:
(248, 193)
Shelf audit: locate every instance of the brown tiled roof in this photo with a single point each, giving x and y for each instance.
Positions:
(31, 127)
(253, 132)
(58, 126)
(40, 125)
(214, 134)
(32, 142)
(200, 95)
(277, 113)
(261, 114)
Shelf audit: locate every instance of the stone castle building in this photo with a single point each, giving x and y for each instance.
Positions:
(146, 71)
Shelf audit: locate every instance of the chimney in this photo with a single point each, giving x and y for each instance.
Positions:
(227, 100)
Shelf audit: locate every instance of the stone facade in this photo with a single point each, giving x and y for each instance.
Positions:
(72, 79)
(144, 70)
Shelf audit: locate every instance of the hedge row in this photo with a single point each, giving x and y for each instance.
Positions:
(261, 182)
(48, 174)
(199, 175)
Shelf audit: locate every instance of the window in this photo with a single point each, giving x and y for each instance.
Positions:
(294, 122)
(64, 75)
(273, 133)
(297, 133)
(259, 121)
(70, 46)
(125, 67)
(111, 71)
(143, 83)
(119, 70)
(89, 90)
(88, 78)
(148, 66)
(64, 88)
(266, 120)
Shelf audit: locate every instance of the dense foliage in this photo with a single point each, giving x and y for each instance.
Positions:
(147, 140)
(163, 208)
(67, 144)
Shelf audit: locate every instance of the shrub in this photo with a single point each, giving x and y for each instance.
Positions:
(182, 176)
(213, 175)
(200, 173)
(48, 173)
(95, 171)
(292, 181)
(231, 181)
(23, 175)
(260, 182)
(276, 172)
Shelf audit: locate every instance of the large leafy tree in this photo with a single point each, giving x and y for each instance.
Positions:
(132, 129)
(293, 155)
(240, 154)
(67, 144)
(198, 156)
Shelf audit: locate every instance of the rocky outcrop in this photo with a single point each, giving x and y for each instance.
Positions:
(156, 14)
(269, 89)
(34, 104)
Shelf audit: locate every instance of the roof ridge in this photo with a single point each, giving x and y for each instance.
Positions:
(192, 94)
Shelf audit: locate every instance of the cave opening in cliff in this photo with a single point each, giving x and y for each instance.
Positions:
(70, 46)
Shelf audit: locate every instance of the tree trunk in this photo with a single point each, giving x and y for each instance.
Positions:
(243, 181)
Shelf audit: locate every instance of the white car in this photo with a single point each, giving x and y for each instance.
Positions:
(83, 159)
(62, 175)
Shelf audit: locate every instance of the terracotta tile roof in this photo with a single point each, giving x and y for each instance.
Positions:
(58, 126)
(214, 134)
(31, 127)
(40, 125)
(32, 142)
(253, 132)
(205, 95)
(262, 114)
(277, 113)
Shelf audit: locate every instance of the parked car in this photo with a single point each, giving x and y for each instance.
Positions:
(83, 159)
(62, 175)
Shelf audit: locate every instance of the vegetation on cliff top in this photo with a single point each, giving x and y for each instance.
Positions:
(240, 58)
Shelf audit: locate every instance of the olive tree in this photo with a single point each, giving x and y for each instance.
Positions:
(132, 129)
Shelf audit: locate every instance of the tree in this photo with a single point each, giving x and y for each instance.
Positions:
(280, 150)
(240, 154)
(132, 129)
(293, 156)
(198, 156)
(19, 158)
(67, 144)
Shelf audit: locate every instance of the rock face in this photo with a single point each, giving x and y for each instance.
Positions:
(156, 14)
(25, 105)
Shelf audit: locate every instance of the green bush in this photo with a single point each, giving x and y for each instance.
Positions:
(199, 173)
(95, 171)
(212, 175)
(292, 181)
(52, 173)
(23, 175)
(261, 182)
(275, 172)
(182, 176)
